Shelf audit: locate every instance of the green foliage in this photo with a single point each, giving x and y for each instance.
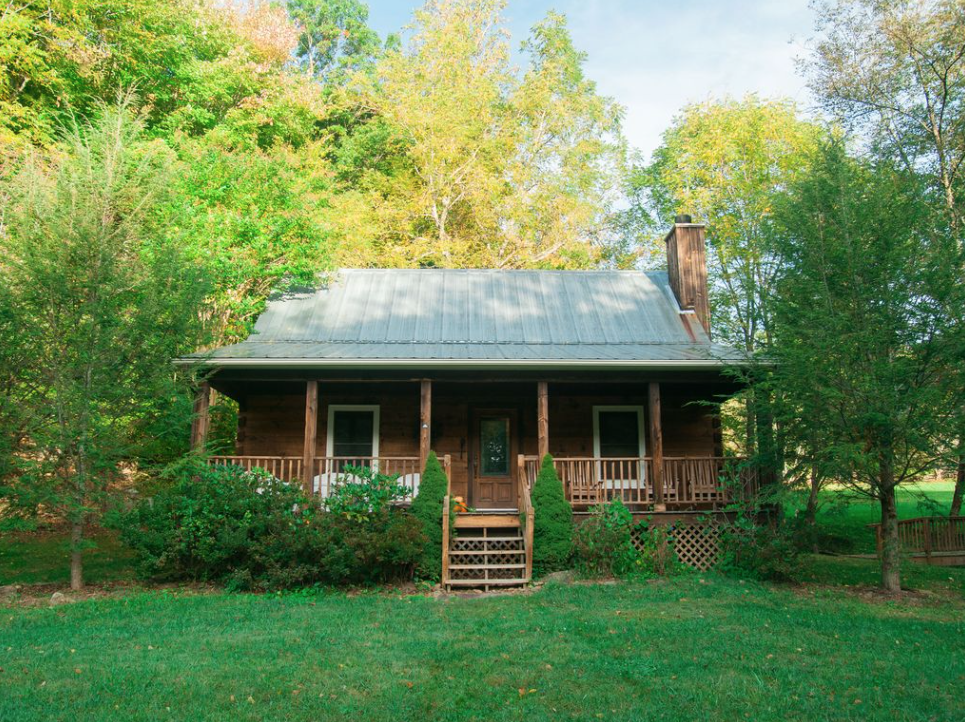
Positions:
(248, 530)
(764, 550)
(656, 549)
(381, 546)
(224, 524)
(552, 523)
(100, 299)
(726, 163)
(427, 508)
(498, 168)
(361, 491)
(869, 323)
(334, 35)
(603, 544)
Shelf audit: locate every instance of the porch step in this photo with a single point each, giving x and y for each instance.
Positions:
(458, 552)
(488, 551)
(491, 583)
(488, 521)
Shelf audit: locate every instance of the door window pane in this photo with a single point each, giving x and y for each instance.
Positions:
(619, 434)
(494, 446)
(352, 433)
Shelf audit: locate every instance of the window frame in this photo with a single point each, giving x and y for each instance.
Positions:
(330, 426)
(641, 432)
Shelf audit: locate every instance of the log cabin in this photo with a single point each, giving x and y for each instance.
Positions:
(613, 373)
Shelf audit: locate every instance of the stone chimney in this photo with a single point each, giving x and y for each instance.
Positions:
(687, 267)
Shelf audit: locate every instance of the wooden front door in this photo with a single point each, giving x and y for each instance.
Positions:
(493, 471)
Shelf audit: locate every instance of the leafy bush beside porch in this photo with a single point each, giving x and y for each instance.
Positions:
(248, 530)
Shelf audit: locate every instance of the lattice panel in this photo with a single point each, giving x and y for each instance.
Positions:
(696, 545)
(487, 558)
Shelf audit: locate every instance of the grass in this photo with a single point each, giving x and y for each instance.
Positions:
(843, 518)
(44, 557)
(692, 648)
(695, 647)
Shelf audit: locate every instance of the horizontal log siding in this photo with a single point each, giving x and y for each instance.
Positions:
(273, 424)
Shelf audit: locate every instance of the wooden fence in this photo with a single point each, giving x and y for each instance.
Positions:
(928, 535)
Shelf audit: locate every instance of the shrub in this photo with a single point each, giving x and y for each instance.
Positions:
(222, 523)
(248, 530)
(759, 551)
(427, 508)
(362, 491)
(655, 550)
(553, 521)
(603, 544)
(381, 546)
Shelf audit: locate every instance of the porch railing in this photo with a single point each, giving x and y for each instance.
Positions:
(329, 471)
(689, 482)
(285, 468)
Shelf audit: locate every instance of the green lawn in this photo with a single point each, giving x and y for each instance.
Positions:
(843, 518)
(693, 648)
(696, 647)
(44, 557)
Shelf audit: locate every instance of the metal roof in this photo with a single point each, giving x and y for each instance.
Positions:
(436, 317)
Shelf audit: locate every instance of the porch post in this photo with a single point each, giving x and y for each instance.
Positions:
(425, 422)
(543, 418)
(199, 424)
(656, 447)
(311, 434)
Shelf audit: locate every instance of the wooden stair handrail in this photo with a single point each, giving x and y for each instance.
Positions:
(446, 507)
(526, 514)
(445, 542)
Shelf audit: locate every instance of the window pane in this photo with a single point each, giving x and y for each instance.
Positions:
(619, 434)
(352, 433)
(494, 446)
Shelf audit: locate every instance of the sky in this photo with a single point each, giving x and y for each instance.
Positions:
(655, 56)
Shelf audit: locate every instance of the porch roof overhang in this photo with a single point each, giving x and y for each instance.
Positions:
(251, 355)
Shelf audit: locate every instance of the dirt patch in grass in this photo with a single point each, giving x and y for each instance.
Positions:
(42, 595)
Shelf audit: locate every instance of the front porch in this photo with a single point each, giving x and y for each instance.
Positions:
(655, 445)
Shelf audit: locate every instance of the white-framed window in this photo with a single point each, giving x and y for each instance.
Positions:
(352, 431)
(618, 432)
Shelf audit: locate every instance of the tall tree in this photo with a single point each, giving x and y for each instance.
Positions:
(864, 306)
(895, 70)
(498, 169)
(725, 163)
(101, 304)
(334, 35)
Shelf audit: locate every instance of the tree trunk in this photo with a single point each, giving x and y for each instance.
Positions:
(891, 547)
(956, 509)
(76, 559)
(811, 510)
